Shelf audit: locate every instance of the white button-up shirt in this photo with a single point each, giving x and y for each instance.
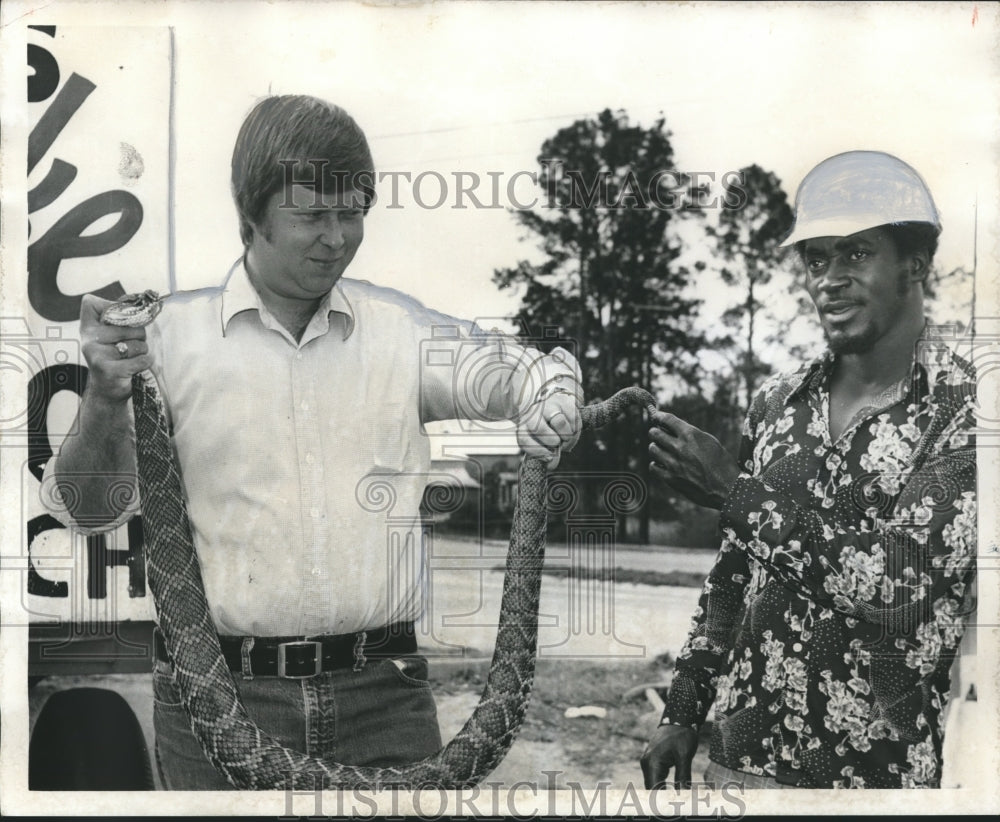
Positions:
(304, 463)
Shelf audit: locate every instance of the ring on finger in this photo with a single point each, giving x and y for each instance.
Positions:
(122, 349)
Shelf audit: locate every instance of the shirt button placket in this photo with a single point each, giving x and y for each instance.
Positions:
(315, 577)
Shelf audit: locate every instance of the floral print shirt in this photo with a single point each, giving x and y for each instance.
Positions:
(826, 629)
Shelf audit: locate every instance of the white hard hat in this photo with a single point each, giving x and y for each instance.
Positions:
(858, 190)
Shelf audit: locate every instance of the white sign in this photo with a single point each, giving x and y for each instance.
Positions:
(99, 222)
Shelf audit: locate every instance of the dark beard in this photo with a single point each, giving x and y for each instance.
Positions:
(858, 344)
(863, 342)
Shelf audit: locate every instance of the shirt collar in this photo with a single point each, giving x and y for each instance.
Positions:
(239, 295)
(931, 354)
(812, 375)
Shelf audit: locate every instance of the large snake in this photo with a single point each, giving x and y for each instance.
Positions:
(248, 757)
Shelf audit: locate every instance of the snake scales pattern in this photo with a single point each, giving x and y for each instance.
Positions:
(245, 755)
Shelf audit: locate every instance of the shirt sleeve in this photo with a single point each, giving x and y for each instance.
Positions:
(707, 647)
(912, 566)
(468, 373)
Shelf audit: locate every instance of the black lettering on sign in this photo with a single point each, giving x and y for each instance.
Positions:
(45, 80)
(65, 239)
(37, 584)
(99, 559)
(55, 183)
(136, 559)
(56, 116)
(42, 387)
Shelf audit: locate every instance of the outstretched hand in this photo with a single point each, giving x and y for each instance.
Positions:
(670, 746)
(690, 461)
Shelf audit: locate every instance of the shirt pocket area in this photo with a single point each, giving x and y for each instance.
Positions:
(387, 438)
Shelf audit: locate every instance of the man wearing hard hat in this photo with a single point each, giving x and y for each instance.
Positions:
(827, 628)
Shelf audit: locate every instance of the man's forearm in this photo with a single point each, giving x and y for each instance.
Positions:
(499, 379)
(711, 491)
(96, 467)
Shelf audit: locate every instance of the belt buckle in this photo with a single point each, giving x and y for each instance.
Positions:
(318, 649)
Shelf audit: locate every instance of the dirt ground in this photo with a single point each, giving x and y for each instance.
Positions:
(585, 749)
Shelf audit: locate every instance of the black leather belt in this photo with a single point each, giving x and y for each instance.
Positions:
(300, 658)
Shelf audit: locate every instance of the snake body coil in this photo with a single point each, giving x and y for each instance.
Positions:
(245, 755)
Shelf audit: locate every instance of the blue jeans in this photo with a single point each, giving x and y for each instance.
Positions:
(380, 715)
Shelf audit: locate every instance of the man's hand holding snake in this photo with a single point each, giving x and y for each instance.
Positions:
(113, 352)
(549, 422)
(690, 461)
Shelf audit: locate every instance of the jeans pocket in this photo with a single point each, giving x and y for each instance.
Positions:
(165, 690)
(411, 670)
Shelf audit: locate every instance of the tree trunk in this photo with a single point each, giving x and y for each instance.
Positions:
(644, 512)
(748, 367)
(647, 383)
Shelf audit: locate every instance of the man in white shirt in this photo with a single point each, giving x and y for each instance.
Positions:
(291, 393)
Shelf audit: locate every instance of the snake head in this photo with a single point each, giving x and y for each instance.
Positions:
(133, 310)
